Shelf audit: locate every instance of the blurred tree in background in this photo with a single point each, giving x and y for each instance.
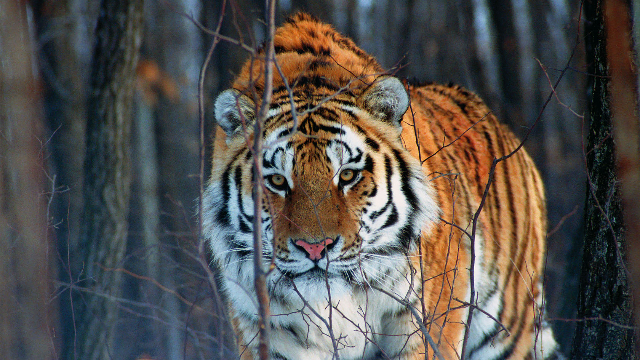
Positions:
(27, 313)
(511, 52)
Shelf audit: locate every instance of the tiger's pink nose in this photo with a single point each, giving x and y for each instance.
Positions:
(315, 251)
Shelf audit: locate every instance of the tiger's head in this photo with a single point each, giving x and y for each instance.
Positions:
(344, 202)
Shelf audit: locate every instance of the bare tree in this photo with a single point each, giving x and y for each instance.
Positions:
(26, 318)
(106, 176)
(605, 328)
(64, 31)
(626, 131)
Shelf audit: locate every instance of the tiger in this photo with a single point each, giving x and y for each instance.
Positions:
(378, 220)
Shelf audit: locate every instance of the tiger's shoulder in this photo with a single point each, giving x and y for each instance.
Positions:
(448, 122)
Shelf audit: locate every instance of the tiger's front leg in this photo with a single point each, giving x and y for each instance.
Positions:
(405, 339)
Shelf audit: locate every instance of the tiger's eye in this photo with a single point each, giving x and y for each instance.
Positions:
(277, 180)
(347, 175)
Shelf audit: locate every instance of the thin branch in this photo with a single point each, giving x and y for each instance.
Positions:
(456, 139)
(418, 318)
(216, 33)
(201, 258)
(504, 328)
(326, 323)
(562, 220)
(260, 277)
(158, 284)
(598, 318)
(495, 162)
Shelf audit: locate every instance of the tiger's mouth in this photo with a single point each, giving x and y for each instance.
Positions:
(317, 281)
(314, 273)
(319, 262)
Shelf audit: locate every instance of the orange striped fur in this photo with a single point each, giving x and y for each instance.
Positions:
(387, 198)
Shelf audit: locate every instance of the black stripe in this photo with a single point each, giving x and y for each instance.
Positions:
(372, 144)
(357, 158)
(238, 248)
(405, 177)
(388, 172)
(316, 81)
(351, 114)
(315, 50)
(368, 165)
(492, 192)
(510, 349)
(392, 219)
(331, 129)
(515, 224)
(326, 113)
(346, 148)
(318, 63)
(284, 133)
(373, 193)
(308, 126)
(238, 180)
(518, 319)
(406, 235)
(222, 216)
(274, 355)
(244, 226)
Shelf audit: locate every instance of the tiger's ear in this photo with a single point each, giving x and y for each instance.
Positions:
(231, 109)
(386, 99)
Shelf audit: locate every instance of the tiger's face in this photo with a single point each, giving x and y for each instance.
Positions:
(344, 203)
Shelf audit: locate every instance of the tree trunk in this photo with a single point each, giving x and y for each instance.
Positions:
(103, 231)
(626, 132)
(604, 301)
(64, 69)
(25, 287)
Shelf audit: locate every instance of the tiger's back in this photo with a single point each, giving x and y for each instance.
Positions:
(457, 138)
(369, 206)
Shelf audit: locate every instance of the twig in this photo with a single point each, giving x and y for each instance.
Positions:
(562, 220)
(418, 318)
(326, 323)
(456, 139)
(156, 283)
(490, 180)
(598, 318)
(201, 258)
(260, 277)
(216, 33)
(504, 328)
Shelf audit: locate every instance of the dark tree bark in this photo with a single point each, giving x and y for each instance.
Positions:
(103, 231)
(626, 132)
(25, 272)
(604, 302)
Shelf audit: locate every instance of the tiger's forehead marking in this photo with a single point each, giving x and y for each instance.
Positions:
(339, 145)
(326, 110)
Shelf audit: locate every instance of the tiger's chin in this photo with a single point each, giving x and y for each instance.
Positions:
(316, 284)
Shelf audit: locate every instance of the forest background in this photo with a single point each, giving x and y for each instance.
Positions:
(526, 59)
